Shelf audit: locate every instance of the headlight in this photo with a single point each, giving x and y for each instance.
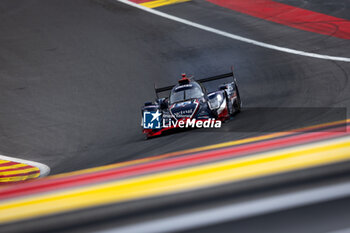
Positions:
(219, 98)
(216, 101)
(214, 104)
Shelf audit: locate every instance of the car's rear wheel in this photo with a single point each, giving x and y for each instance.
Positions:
(238, 103)
(228, 107)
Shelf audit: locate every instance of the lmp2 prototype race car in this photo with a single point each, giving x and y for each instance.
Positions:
(189, 105)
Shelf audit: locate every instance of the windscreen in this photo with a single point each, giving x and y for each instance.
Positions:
(186, 92)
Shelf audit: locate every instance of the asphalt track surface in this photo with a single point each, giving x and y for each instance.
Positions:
(74, 75)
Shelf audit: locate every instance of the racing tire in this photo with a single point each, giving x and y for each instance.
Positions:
(238, 103)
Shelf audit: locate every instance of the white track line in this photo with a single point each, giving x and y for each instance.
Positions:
(233, 36)
(44, 169)
(216, 215)
(346, 230)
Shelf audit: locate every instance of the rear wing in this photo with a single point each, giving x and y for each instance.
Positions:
(203, 80)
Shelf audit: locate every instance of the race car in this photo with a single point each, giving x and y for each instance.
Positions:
(189, 101)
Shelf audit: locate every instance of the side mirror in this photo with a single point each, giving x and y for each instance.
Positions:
(223, 87)
(148, 104)
(163, 103)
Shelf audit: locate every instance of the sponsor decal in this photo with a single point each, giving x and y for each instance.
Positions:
(183, 104)
(183, 113)
(152, 120)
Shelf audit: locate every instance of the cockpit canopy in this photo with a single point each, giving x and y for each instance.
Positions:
(184, 92)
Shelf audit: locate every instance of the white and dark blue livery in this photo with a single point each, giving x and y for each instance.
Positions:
(189, 99)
